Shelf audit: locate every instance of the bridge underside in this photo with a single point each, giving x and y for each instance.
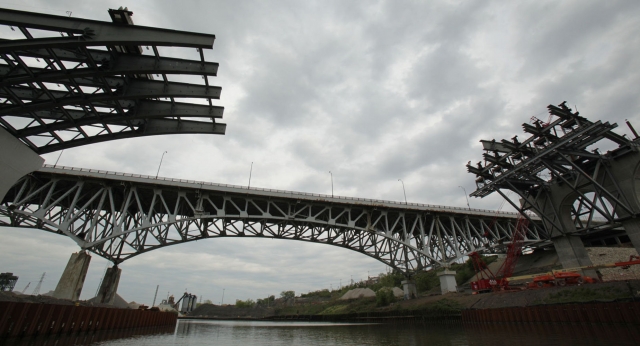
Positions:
(119, 216)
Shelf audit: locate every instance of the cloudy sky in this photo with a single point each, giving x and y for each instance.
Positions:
(373, 91)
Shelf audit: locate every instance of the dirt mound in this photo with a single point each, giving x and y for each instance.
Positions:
(43, 299)
(357, 293)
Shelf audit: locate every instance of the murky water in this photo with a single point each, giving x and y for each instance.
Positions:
(313, 333)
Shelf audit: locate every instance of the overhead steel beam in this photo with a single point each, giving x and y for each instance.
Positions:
(123, 65)
(135, 90)
(81, 119)
(65, 88)
(89, 33)
(153, 127)
(140, 109)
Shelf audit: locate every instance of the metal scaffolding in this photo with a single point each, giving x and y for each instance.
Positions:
(72, 81)
(560, 159)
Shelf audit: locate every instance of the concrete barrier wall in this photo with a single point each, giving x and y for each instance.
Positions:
(627, 313)
(25, 319)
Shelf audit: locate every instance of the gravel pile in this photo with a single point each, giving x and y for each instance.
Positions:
(357, 293)
(398, 292)
(602, 255)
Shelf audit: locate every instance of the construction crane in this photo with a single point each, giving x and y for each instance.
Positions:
(25, 289)
(36, 291)
(486, 280)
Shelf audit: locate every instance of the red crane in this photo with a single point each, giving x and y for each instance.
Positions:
(486, 280)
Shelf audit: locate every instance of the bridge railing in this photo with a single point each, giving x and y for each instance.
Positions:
(369, 200)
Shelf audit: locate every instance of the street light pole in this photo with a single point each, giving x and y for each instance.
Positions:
(160, 165)
(222, 301)
(54, 166)
(250, 171)
(465, 196)
(403, 191)
(331, 183)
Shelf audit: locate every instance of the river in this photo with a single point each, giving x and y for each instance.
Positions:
(192, 333)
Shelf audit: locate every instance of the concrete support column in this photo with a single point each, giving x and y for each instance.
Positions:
(70, 284)
(448, 281)
(632, 227)
(409, 287)
(109, 286)
(16, 161)
(572, 253)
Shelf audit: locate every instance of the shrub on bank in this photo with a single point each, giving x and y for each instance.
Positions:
(385, 296)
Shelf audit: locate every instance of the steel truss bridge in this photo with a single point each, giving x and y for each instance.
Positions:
(67, 82)
(119, 216)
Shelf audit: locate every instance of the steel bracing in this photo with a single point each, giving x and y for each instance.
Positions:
(560, 157)
(118, 216)
(70, 81)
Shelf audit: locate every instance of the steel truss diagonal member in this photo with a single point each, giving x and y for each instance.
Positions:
(86, 33)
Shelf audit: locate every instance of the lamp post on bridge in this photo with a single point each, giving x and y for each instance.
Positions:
(160, 165)
(465, 196)
(331, 183)
(403, 191)
(250, 171)
(54, 166)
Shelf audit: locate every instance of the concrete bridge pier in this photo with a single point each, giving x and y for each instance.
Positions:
(16, 160)
(109, 286)
(70, 285)
(448, 281)
(556, 205)
(632, 227)
(572, 253)
(409, 288)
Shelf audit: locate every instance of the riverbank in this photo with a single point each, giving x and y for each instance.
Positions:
(444, 305)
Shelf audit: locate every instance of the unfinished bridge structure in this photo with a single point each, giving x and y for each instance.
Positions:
(67, 82)
(560, 175)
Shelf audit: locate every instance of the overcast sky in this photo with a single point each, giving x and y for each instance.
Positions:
(373, 91)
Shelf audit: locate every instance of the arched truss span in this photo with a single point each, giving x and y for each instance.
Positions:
(69, 81)
(119, 216)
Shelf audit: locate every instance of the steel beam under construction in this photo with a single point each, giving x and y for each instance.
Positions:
(560, 175)
(68, 82)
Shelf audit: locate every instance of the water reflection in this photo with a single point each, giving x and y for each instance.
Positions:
(190, 332)
(313, 333)
(552, 334)
(85, 338)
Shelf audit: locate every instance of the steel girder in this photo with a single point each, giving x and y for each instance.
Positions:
(555, 161)
(118, 216)
(58, 92)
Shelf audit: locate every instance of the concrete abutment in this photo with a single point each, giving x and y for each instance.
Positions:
(632, 228)
(572, 253)
(109, 285)
(70, 285)
(448, 281)
(409, 288)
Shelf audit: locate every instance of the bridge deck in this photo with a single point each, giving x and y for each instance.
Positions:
(264, 192)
